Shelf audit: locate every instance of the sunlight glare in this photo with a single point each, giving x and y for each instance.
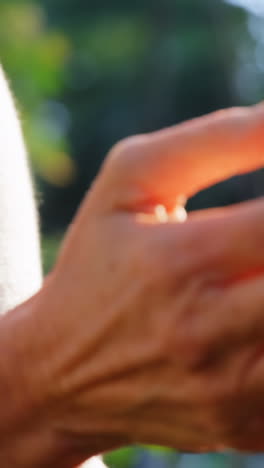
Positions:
(178, 215)
(161, 214)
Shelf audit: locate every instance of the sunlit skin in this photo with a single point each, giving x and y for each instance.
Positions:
(149, 329)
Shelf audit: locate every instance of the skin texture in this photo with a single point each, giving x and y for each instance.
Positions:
(146, 331)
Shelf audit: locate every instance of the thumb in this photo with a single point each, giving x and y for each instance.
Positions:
(159, 167)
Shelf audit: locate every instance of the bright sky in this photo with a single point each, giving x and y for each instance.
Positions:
(255, 6)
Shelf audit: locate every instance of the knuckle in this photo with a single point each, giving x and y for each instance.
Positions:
(125, 150)
(121, 165)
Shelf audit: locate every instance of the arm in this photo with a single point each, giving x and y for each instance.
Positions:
(27, 436)
(127, 342)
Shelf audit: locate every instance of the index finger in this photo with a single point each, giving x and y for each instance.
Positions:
(190, 156)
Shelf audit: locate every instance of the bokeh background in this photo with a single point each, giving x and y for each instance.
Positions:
(86, 74)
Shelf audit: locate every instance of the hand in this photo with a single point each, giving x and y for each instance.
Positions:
(155, 329)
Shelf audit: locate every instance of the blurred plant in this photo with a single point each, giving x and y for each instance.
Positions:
(50, 247)
(124, 458)
(34, 57)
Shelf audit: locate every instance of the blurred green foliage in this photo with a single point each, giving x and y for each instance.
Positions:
(50, 247)
(86, 74)
(124, 458)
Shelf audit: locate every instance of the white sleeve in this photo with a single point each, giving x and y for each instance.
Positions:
(95, 462)
(20, 260)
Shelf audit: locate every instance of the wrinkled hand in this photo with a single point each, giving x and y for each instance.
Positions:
(158, 327)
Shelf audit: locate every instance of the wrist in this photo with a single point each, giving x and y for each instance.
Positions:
(39, 423)
(28, 437)
(37, 446)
